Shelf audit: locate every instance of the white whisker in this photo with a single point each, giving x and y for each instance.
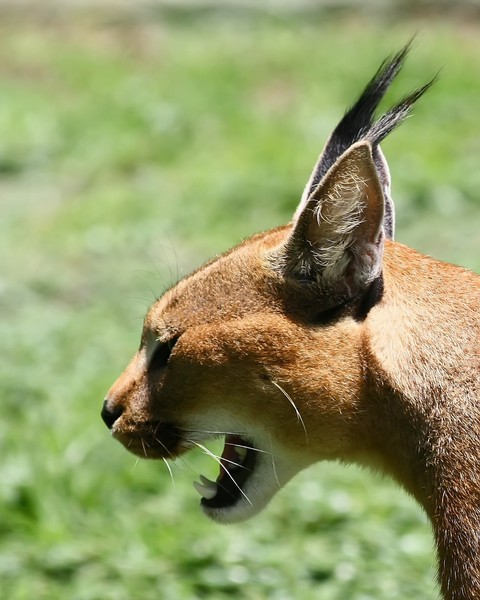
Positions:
(169, 470)
(232, 462)
(299, 416)
(210, 432)
(218, 460)
(274, 467)
(225, 433)
(247, 447)
(164, 447)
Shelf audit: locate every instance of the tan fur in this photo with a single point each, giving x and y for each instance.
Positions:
(396, 386)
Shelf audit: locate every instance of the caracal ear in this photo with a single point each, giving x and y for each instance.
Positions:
(383, 173)
(338, 236)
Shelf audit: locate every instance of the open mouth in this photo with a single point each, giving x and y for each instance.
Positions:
(236, 466)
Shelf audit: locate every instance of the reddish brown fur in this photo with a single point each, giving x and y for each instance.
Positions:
(394, 386)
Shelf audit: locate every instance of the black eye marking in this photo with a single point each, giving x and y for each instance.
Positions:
(162, 353)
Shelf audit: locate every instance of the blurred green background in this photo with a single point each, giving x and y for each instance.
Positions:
(137, 140)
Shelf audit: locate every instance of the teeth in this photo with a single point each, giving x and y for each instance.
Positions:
(207, 489)
(241, 453)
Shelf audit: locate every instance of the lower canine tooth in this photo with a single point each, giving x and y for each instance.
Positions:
(207, 489)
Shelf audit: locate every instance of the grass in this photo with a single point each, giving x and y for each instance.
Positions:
(129, 153)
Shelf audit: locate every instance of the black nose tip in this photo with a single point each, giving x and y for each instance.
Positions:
(110, 414)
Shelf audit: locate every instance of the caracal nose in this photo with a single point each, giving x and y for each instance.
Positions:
(110, 413)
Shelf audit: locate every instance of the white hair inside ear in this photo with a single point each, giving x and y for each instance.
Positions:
(337, 238)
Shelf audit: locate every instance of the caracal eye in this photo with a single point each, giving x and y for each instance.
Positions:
(162, 353)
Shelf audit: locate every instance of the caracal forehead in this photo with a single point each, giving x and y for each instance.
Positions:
(232, 285)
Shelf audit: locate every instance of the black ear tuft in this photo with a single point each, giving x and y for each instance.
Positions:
(395, 115)
(358, 124)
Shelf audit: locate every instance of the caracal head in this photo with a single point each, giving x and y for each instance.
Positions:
(262, 345)
(248, 348)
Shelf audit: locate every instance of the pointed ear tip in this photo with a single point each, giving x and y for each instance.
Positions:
(362, 147)
(360, 153)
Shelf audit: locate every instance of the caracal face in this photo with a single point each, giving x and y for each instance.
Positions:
(219, 357)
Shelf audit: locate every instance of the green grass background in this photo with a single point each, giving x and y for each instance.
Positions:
(132, 149)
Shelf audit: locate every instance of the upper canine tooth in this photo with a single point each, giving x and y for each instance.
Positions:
(207, 489)
(241, 452)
